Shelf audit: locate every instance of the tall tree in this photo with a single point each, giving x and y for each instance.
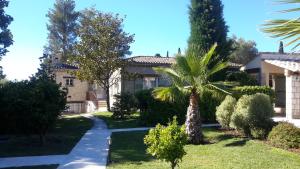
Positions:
(286, 29)
(244, 51)
(190, 75)
(6, 38)
(281, 48)
(208, 27)
(62, 29)
(103, 45)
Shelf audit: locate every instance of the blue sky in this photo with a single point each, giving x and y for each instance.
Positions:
(159, 26)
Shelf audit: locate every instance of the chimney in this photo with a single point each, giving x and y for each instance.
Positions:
(281, 49)
(179, 51)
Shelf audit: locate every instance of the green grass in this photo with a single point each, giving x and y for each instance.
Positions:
(60, 140)
(35, 167)
(224, 151)
(129, 122)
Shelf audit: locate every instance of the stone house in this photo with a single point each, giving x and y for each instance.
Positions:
(137, 75)
(280, 71)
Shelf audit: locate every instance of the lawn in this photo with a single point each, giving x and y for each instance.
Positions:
(60, 140)
(224, 151)
(35, 167)
(129, 122)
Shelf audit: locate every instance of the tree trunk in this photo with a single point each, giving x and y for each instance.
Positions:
(173, 165)
(193, 120)
(107, 98)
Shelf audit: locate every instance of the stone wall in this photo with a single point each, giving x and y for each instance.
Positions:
(292, 96)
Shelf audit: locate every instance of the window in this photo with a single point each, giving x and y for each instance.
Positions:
(69, 82)
(149, 83)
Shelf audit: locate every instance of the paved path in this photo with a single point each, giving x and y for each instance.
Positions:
(92, 150)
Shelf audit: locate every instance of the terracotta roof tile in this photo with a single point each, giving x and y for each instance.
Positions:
(152, 60)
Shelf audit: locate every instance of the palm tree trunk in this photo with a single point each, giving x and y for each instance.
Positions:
(193, 120)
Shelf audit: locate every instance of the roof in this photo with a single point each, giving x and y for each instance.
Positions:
(289, 65)
(293, 57)
(152, 60)
(164, 60)
(64, 66)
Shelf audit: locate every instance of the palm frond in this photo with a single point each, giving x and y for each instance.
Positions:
(219, 87)
(207, 57)
(217, 67)
(283, 28)
(175, 77)
(170, 94)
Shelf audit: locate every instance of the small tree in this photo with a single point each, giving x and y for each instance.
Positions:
(103, 45)
(167, 143)
(123, 105)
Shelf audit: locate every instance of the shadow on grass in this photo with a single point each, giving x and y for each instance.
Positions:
(237, 143)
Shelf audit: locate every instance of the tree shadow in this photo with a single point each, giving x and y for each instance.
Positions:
(237, 143)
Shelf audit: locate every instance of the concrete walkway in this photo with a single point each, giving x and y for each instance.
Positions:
(91, 151)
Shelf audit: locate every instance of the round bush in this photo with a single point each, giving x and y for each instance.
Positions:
(253, 115)
(225, 110)
(285, 135)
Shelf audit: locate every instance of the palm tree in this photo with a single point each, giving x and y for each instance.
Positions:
(190, 76)
(286, 29)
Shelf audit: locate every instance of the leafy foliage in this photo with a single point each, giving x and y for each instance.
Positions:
(31, 116)
(153, 111)
(167, 143)
(208, 27)
(286, 29)
(243, 50)
(62, 30)
(225, 110)
(103, 45)
(253, 115)
(285, 135)
(124, 105)
(190, 76)
(250, 90)
(5, 34)
(243, 78)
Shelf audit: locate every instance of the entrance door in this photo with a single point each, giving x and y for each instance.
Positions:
(280, 91)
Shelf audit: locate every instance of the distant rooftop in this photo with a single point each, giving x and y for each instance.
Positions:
(282, 57)
(152, 60)
(64, 66)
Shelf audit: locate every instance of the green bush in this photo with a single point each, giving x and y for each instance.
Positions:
(243, 78)
(250, 90)
(124, 105)
(253, 115)
(285, 135)
(225, 110)
(30, 107)
(209, 100)
(153, 111)
(167, 143)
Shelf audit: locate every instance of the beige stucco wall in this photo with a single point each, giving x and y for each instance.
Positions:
(77, 91)
(266, 70)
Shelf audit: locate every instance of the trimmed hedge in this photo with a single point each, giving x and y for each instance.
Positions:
(250, 90)
(285, 135)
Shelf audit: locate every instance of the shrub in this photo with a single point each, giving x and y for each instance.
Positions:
(30, 107)
(167, 143)
(285, 135)
(153, 111)
(225, 110)
(242, 78)
(124, 105)
(253, 115)
(250, 90)
(209, 100)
